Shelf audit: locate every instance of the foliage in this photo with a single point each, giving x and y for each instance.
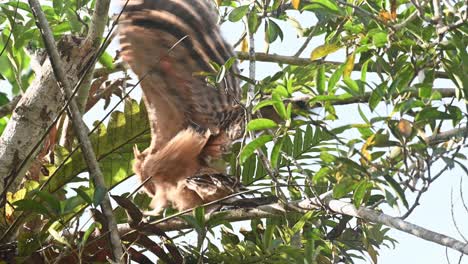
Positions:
(362, 131)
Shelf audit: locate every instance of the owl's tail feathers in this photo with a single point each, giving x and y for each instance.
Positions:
(176, 160)
(182, 150)
(140, 158)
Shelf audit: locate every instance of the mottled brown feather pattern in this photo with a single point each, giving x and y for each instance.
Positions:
(191, 121)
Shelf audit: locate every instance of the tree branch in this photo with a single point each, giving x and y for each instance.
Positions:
(335, 206)
(79, 126)
(291, 60)
(98, 23)
(444, 136)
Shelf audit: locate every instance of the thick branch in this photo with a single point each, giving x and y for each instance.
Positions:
(291, 60)
(35, 112)
(444, 92)
(444, 136)
(98, 23)
(93, 41)
(79, 126)
(336, 206)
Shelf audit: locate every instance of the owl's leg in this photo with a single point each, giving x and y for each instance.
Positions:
(184, 198)
(159, 201)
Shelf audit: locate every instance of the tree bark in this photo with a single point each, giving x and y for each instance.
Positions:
(34, 114)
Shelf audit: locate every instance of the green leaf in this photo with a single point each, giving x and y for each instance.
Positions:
(58, 237)
(275, 152)
(83, 195)
(107, 60)
(230, 62)
(397, 188)
(300, 224)
(279, 105)
(321, 80)
(323, 5)
(199, 213)
(379, 39)
(221, 73)
(377, 96)
(3, 123)
(113, 146)
(250, 148)
(99, 194)
(88, 233)
(424, 90)
(238, 13)
(345, 186)
(262, 104)
(273, 31)
(335, 78)
(58, 6)
(431, 113)
(253, 21)
(360, 192)
(3, 99)
(327, 157)
(50, 200)
(354, 87)
(31, 206)
(261, 124)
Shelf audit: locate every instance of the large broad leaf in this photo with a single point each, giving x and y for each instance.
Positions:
(113, 146)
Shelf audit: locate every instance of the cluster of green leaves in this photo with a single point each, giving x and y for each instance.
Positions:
(309, 152)
(20, 37)
(113, 145)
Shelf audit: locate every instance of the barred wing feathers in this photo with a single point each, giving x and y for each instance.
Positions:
(167, 43)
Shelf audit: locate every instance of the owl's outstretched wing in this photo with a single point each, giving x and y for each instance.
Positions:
(168, 43)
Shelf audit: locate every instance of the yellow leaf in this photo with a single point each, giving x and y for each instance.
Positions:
(323, 50)
(349, 66)
(219, 2)
(366, 156)
(11, 198)
(385, 15)
(245, 45)
(296, 3)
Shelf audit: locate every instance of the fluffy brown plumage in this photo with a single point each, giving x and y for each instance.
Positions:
(191, 121)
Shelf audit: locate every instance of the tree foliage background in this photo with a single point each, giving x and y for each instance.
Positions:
(412, 132)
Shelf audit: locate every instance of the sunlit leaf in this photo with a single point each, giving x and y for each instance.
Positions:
(238, 13)
(261, 124)
(323, 50)
(296, 3)
(349, 66)
(250, 148)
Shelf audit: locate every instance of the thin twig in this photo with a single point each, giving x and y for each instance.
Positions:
(291, 60)
(462, 196)
(306, 42)
(79, 127)
(454, 220)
